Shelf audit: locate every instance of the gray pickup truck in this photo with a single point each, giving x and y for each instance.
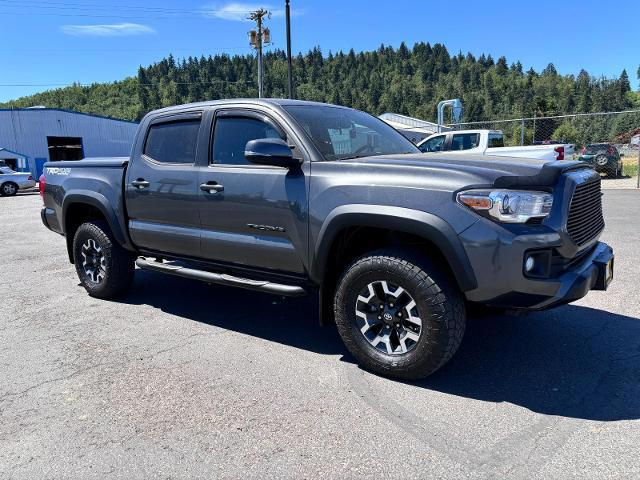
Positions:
(298, 198)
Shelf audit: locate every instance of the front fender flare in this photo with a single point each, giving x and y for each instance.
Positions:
(425, 225)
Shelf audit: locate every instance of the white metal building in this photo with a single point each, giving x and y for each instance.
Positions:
(29, 137)
(412, 128)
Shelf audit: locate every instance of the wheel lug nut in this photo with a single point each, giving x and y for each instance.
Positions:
(391, 305)
(379, 317)
(381, 306)
(397, 325)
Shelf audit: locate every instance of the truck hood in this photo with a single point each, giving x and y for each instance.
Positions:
(502, 172)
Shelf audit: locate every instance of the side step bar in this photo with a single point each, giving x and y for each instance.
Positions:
(221, 278)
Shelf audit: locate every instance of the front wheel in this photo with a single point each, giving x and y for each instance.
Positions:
(399, 318)
(104, 268)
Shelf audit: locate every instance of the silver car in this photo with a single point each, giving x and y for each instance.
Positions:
(11, 182)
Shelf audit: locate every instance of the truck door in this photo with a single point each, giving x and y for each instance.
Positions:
(162, 186)
(254, 215)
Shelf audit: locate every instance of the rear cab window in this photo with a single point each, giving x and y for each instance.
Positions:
(173, 141)
(496, 139)
(465, 141)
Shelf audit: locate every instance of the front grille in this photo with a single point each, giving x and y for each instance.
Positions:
(585, 220)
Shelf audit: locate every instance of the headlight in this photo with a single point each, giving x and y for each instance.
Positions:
(509, 206)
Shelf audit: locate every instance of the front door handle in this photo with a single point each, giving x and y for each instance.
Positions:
(211, 187)
(140, 183)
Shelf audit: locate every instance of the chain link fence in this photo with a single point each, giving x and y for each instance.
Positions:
(604, 140)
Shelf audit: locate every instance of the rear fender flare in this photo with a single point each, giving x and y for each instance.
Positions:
(100, 202)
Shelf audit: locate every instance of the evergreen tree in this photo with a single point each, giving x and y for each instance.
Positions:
(410, 81)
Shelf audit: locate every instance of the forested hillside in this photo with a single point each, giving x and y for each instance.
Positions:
(402, 80)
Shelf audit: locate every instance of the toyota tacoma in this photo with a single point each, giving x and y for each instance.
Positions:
(298, 198)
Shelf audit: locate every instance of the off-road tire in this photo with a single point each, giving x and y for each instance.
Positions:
(439, 303)
(118, 263)
(7, 194)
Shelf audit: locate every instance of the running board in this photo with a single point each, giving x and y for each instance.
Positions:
(221, 278)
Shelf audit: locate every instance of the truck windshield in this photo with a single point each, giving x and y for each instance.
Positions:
(342, 133)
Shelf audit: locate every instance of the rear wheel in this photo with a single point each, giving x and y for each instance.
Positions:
(603, 165)
(104, 268)
(400, 317)
(8, 189)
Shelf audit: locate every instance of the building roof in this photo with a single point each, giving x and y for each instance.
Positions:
(46, 109)
(2, 149)
(410, 124)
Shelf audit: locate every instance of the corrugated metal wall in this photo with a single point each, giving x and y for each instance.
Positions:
(26, 131)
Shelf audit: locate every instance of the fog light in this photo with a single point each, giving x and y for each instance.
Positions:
(529, 264)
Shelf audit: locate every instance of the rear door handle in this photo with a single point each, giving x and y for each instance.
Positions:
(140, 183)
(211, 187)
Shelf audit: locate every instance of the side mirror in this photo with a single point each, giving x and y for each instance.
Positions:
(270, 151)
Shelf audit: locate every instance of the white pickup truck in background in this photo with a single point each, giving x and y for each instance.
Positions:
(491, 142)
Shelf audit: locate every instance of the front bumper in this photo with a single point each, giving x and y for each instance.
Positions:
(497, 260)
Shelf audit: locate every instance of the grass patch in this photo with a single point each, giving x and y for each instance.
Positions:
(629, 165)
(630, 169)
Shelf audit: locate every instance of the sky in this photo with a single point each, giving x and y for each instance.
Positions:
(56, 42)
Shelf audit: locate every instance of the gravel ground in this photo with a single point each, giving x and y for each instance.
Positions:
(183, 380)
(619, 183)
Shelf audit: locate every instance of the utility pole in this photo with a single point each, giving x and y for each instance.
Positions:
(256, 39)
(289, 67)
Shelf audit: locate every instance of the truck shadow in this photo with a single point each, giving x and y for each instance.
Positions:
(573, 361)
(289, 321)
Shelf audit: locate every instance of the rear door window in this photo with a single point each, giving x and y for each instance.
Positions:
(465, 141)
(173, 142)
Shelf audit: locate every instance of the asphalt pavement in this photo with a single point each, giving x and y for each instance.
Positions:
(179, 379)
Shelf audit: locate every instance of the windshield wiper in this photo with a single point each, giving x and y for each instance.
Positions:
(353, 157)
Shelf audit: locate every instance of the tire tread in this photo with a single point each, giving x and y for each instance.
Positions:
(437, 290)
(120, 261)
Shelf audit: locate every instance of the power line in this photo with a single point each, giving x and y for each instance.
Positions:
(211, 82)
(92, 6)
(202, 15)
(96, 11)
(98, 50)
